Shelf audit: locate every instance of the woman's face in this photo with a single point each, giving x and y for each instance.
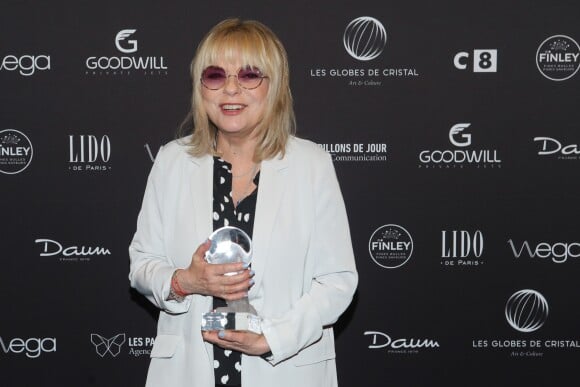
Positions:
(232, 108)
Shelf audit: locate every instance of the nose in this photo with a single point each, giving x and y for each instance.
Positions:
(232, 86)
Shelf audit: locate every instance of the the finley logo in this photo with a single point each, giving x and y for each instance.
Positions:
(391, 246)
(111, 346)
(550, 146)
(15, 151)
(452, 158)
(484, 61)
(364, 38)
(121, 37)
(558, 57)
(526, 310)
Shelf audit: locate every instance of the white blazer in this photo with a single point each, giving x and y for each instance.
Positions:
(303, 259)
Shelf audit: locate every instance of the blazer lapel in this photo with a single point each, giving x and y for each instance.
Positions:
(201, 188)
(271, 188)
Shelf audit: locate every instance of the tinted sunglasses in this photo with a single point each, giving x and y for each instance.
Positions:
(214, 77)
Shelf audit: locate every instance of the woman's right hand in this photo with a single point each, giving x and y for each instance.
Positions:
(208, 279)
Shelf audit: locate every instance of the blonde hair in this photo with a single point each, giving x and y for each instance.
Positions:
(253, 44)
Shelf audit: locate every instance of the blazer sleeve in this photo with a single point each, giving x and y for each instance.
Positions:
(150, 269)
(330, 272)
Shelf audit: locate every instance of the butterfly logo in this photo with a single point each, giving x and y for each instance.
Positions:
(104, 345)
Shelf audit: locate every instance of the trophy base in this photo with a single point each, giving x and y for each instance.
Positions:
(240, 321)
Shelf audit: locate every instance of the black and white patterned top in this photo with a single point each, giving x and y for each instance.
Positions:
(228, 364)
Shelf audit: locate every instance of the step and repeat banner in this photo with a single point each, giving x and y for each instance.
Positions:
(454, 130)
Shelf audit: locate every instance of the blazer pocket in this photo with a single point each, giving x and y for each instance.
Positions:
(320, 351)
(165, 346)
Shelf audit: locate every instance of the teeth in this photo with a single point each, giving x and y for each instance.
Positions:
(232, 107)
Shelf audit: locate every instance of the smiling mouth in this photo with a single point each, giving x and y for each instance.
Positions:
(232, 107)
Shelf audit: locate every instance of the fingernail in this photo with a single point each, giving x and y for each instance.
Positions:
(221, 334)
(252, 282)
(252, 273)
(246, 265)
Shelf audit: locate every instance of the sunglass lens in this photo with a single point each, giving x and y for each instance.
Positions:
(249, 77)
(213, 77)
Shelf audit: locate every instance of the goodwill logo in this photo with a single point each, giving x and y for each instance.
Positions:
(52, 248)
(391, 246)
(401, 345)
(356, 152)
(125, 43)
(15, 151)
(526, 311)
(364, 39)
(552, 147)
(558, 58)
(459, 158)
(113, 346)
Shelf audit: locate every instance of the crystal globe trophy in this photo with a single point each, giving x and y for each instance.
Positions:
(231, 245)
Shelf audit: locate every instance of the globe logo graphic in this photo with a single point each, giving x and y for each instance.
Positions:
(526, 310)
(364, 38)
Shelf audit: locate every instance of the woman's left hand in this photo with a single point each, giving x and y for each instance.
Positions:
(249, 343)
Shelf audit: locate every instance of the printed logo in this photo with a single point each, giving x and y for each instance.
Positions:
(380, 340)
(558, 58)
(125, 65)
(461, 248)
(15, 151)
(391, 246)
(25, 65)
(32, 347)
(364, 38)
(550, 146)
(458, 158)
(89, 153)
(556, 252)
(111, 346)
(51, 248)
(123, 35)
(356, 152)
(526, 310)
(484, 61)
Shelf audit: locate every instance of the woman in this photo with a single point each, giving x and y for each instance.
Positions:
(242, 167)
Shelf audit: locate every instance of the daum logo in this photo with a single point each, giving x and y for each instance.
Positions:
(33, 347)
(15, 151)
(391, 246)
(558, 58)
(111, 346)
(526, 310)
(364, 38)
(380, 340)
(550, 146)
(51, 248)
(121, 37)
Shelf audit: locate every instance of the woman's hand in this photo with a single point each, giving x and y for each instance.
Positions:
(249, 343)
(208, 279)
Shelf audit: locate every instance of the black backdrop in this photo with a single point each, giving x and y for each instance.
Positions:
(452, 81)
